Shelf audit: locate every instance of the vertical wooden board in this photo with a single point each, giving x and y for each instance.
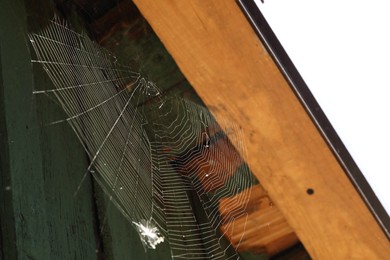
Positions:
(24, 214)
(70, 204)
(7, 233)
(41, 166)
(220, 55)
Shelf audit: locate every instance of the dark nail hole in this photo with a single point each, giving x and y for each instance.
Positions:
(310, 191)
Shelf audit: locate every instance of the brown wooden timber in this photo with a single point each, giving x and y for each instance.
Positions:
(256, 199)
(266, 230)
(262, 229)
(220, 55)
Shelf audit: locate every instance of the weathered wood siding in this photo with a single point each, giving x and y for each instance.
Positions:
(41, 166)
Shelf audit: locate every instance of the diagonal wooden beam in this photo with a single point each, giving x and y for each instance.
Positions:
(218, 52)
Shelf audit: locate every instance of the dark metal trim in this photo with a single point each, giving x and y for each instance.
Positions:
(286, 66)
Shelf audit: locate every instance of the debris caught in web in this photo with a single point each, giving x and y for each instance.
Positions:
(148, 233)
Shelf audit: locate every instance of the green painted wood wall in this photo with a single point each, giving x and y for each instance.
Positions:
(40, 166)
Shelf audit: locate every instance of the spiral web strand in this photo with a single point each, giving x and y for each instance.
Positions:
(165, 176)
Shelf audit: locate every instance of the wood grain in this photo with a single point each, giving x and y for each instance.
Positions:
(256, 197)
(266, 230)
(262, 229)
(41, 166)
(218, 52)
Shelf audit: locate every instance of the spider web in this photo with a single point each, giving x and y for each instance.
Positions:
(165, 165)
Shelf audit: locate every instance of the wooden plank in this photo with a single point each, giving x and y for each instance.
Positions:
(220, 55)
(266, 230)
(258, 199)
(41, 167)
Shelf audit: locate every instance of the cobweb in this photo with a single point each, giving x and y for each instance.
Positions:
(165, 166)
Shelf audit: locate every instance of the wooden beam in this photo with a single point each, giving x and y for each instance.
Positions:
(257, 199)
(220, 55)
(266, 230)
(262, 229)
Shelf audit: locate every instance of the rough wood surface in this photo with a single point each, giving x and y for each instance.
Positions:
(266, 230)
(258, 199)
(218, 52)
(40, 166)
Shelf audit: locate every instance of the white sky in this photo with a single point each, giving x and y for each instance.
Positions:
(342, 50)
